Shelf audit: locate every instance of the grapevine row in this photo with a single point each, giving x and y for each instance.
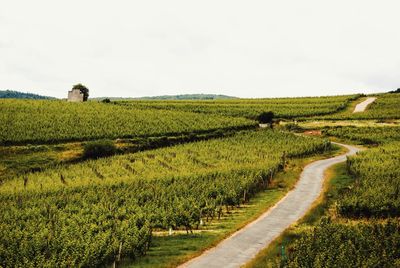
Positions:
(98, 211)
(46, 121)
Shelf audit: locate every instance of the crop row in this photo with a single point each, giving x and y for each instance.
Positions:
(365, 135)
(376, 192)
(43, 121)
(96, 212)
(373, 201)
(251, 108)
(385, 107)
(339, 245)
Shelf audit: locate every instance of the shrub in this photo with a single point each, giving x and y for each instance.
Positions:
(294, 127)
(97, 149)
(265, 117)
(107, 100)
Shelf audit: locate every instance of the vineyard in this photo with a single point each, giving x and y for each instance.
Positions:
(385, 107)
(374, 195)
(200, 134)
(251, 108)
(360, 224)
(372, 202)
(339, 245)
(365, 135)
(376, 192)
(90, 213)
(46, 121)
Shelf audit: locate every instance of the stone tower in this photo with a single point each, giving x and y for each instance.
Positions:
(75, 95)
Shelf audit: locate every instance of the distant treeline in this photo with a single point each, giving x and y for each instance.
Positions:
(189, 97)
(395, 91)
(11, 94)
(174, 97)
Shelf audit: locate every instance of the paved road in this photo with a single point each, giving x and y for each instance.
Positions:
(243, 245)
(363, 105)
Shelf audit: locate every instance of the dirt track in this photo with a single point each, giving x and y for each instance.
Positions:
(363, 105)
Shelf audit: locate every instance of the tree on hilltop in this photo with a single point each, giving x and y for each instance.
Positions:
(84, 90)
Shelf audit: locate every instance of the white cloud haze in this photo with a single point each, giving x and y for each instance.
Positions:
(241, 48)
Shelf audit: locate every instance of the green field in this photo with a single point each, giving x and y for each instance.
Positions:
(200, 134)
(385, 108)
(100, 204)
(251, 108)
(367, 233)
(357, 224)
(377, 185)
(374, 196)
(60, 209)
(364, 135)
(27, 121)
(353, 245)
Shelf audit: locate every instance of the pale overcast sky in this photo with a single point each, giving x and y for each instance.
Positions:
(242, 48)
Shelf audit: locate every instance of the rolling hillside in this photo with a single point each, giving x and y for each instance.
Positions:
(11, 94)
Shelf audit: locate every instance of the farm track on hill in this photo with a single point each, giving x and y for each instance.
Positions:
(243, 245)
(363, 105)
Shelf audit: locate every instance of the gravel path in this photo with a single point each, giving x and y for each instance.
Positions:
(243, 245)
(363, 105)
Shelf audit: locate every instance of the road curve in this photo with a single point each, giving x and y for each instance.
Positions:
(243, 245)
(363, 105)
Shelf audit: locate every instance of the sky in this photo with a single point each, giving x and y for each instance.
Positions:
(241, 48)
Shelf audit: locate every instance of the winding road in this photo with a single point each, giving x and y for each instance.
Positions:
(243, 245)
(363, 105)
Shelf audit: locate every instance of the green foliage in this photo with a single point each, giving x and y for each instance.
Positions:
(23, 121)
(106, 100)
(369, 196)
(97, 149)
(293, 127)
(386, 106)
(251, 108)
(23, 160)
(395, 91)
(11, 94)
(265, 117)
(81, 214)
(376, 192)
(340, 245)
(365, 135)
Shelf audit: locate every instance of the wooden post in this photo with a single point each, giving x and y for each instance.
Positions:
(270, 175)
(119, 252)
(283, 159)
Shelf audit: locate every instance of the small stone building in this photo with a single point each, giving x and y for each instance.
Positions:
(75, 95)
